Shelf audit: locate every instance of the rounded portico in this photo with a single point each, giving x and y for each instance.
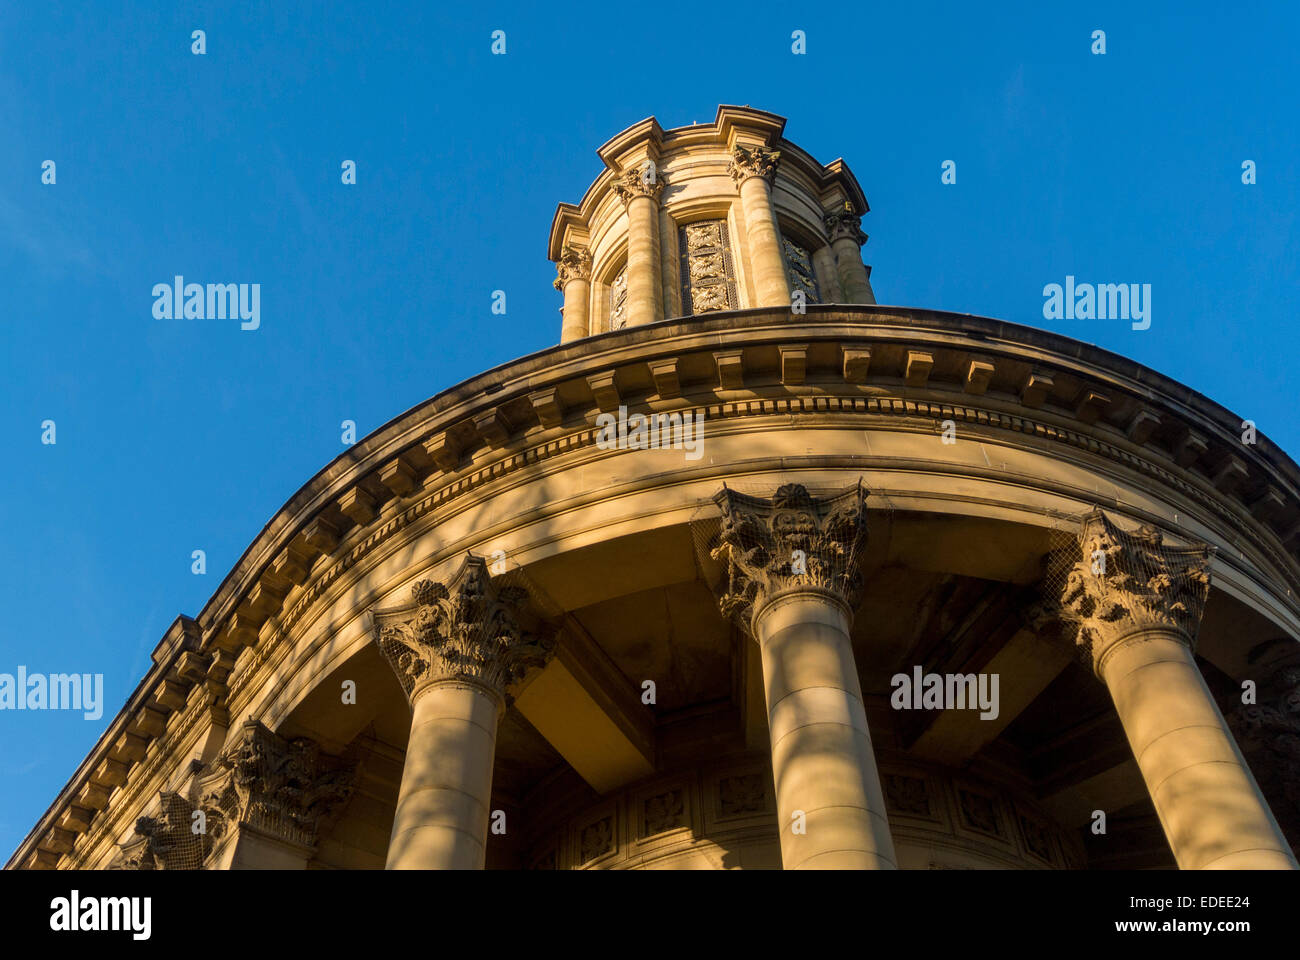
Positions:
(643, 599)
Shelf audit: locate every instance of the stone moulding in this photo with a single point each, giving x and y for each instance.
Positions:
(313, 542)
(872, 406)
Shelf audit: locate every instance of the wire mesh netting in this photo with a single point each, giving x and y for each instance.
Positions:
(1102, 582)
(167, 840)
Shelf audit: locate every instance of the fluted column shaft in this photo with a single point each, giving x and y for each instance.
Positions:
(444, 803)
(1209, 805)
(823, 764)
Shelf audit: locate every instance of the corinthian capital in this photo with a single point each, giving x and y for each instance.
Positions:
(475, 628)
(633, 183)
(168, 841)
(1118, 584)
(1268, 728)
(841, 226)
(790, 543)
(752, 162)
(574, 264)
(282, 787)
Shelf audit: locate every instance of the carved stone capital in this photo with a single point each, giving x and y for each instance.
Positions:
(574, 264)
(792, 543)
(1115, 584)
(633, 183)
(285, 788)
(475, 628)
(845, 226)
(169, 840)
(1268, 729)
(749, 162)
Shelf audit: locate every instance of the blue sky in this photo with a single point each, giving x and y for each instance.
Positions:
(176, 435)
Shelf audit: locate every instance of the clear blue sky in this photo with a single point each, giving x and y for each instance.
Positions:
(176, 435)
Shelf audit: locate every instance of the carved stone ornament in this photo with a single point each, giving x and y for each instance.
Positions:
(283, 787)
(597, 839)
(170, 840)
(792, 542)
(664, 812)
(1268, 730)
(618, 301)
(475, 628)
(800, 271)
(840, 226)
(1121, 583)
(708, 280)
(749, 162)
(907, 795)
(633, 183)
(574, 264)
(741, 795)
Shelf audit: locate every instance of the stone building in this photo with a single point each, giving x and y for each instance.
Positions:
(653, 597)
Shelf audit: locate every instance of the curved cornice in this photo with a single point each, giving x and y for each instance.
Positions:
(539, 392)
(656, 142)
(874, 365)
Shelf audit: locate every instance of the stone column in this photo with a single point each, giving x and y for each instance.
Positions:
(455, 653)
(639, 190)
(754, 169)
(827, 277)
(792, 579)
(847, 238)
(1134, 607)
(574, 269)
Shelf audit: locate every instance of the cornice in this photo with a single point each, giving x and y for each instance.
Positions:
(836, 361)
(758, 127)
